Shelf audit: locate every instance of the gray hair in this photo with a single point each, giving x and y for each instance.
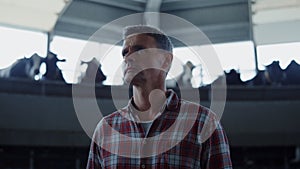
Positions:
(162, 40)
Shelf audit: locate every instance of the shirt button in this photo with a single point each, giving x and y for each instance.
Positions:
(143, 166)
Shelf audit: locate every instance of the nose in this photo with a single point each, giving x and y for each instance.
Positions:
(128, 57)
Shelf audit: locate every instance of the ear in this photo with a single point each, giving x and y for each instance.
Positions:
(168, 61)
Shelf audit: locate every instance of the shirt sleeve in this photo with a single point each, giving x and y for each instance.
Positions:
(94, 159)
(215, 152)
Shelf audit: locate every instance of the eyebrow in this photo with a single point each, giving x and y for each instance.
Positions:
(134, 48)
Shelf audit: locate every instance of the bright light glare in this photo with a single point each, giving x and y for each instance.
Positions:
(69, 49)
(284, 53)
(239, 55)
(17, 43)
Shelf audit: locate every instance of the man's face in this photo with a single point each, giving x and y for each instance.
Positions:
(143, 61)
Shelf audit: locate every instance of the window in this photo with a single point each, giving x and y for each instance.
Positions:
(284, 53)
(17, 43)
(71, 49)
(238, 55)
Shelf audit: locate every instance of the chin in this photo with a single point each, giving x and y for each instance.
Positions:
(127, 81)
(136, 80)
(128, 78)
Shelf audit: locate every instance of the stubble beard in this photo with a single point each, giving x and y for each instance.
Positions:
(135, 79)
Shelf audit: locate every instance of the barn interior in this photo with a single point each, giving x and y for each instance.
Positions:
(42, 127)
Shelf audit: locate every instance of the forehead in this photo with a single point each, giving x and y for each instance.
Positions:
(140, 39)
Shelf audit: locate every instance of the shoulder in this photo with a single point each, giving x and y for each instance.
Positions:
(206, 123)
(114, 118)
(203, 113)
(108, 125)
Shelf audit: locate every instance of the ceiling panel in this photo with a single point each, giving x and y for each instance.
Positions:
(40, 15)
(83, 18)
(221, 21)
(276, 21)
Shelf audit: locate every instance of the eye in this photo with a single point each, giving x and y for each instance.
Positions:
(124, 52)
(139, 49)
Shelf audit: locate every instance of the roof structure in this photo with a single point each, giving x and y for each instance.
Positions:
(221, 21)
(264, 21)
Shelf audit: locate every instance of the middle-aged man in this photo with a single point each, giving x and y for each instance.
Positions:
(120, 139)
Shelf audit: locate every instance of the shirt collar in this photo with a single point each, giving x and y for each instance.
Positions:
(173, 100)
(171, 103)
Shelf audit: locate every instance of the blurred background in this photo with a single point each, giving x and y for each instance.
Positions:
(257, 43)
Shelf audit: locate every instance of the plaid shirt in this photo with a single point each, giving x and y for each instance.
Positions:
(203, 146)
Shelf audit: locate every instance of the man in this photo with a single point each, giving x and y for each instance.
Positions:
(124, 139)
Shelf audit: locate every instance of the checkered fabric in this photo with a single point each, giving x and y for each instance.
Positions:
(176, 139)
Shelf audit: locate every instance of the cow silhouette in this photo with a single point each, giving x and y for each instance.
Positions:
(272, 75)
(25, 68)
(259, 79)
(232, 78)
(53, 73)
(93, 73)
(292, 73)
(275, 75)
(185, 78)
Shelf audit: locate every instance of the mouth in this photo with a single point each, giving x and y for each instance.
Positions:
(129, 69)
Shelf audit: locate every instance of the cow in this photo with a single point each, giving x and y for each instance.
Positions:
(53, 73)
(232, 78)
(272, 75)
(25, 68)
(259, 79)
(185, 78)
(292, 73)
(275, 75)
(93, 73)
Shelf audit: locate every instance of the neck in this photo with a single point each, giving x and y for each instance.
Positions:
(149, 96)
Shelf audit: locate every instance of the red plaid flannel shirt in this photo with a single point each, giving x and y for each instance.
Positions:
(195, 150)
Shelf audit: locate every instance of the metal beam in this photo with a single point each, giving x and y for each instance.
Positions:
(88, 10)
(123, 4)
(275, 4)
(80, 31)
(278, 32)
(77, 24)
(153, 5)
(153, 18)
(277, 15)
(218, 33)
(31, 122)
(191, 4)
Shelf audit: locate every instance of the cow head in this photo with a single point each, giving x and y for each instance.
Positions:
(52, 57)
(33, 68)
